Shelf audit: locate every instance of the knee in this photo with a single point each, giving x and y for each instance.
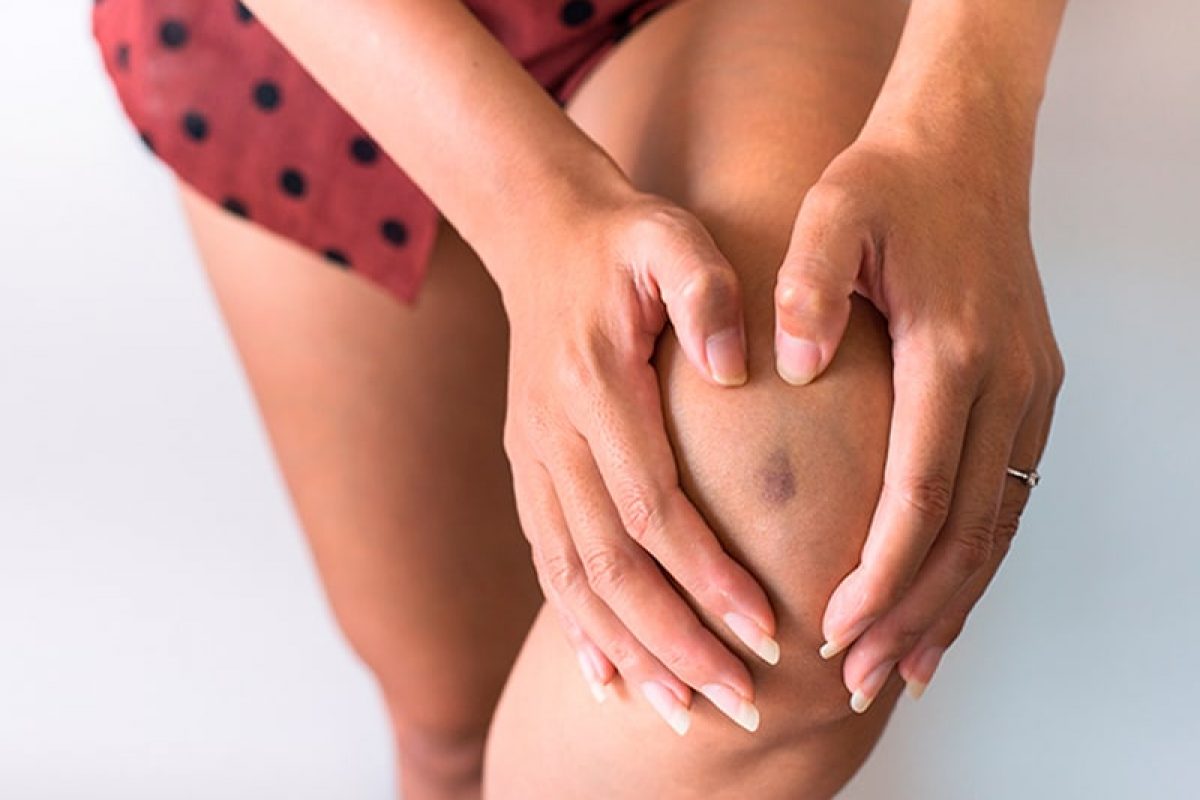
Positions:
(440, 740)
(788, 477)
(439, 714)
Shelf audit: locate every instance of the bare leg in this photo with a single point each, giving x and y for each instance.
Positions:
(386, 423)
(732, 110)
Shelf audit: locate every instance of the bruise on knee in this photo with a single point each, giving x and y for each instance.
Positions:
(776, 479)
(787, 478)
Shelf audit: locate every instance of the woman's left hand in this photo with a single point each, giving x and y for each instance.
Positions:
(937, 238)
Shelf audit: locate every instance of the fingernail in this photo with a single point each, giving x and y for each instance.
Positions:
(864, 695)
(926, 664)
(664, 701)
(727, 357)
(732, 704)
(599, 690)
(796, 359)
(837, 644)
(753, 636)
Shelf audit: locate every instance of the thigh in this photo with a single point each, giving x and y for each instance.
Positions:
(386, 423)
(747, 104)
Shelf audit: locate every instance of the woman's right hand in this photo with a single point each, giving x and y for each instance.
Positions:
(595, 478)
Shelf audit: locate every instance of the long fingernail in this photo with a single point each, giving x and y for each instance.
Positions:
(599, 690)
(732, 704)
(926, 664)
(796, 359)
(664, 701)
(837, 644)
(727, 357)
(864, 695)
(753, 636)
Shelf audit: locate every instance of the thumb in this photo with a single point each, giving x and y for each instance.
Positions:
(812, 292)
(703, 297)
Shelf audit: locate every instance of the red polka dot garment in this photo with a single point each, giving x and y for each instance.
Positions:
(223, 104)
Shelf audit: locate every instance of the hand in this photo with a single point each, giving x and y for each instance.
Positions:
(939, 242)
(595, 478)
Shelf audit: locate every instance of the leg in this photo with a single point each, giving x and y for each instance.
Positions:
(383, 419)
(747, 103)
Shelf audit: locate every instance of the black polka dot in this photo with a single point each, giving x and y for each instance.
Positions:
(243, 14)
(146, 140)
(335, 256)
(293, 183)
(236, 207)
(121, 55)
(173, 34)
(363, 150)
(576, 12)
(195, 126)
(267, 95)
(394, 231)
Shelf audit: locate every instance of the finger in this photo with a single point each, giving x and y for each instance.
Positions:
(538, 513)
(812, 292)
(597, 670)
(929, 420)
(558, 565)
(962, 549)
(623, 575)
(625, 431)
(918, 666)
(703, 297)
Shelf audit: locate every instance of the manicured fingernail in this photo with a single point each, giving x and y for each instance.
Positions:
(599, 690)
(753, 636)
(732, 704)
(796, 359)
(727, 357)
(664, 701)
(864, 695)
(926, 664)
(839, 643)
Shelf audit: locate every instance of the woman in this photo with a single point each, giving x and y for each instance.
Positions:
(773, 512)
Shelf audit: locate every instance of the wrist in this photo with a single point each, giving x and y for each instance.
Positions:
(552, 210)
(968, 79)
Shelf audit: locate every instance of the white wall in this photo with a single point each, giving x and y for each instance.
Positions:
(161, 631)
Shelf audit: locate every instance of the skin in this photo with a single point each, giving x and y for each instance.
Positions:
(786, 475)
(391, 431)
(629, 451)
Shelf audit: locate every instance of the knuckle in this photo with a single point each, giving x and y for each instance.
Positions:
(509, 441)
(948, 629)
(1058, 370)
(641, 513)
(929, 496)
(560, 572)
(622, 652)
(574, 371)
(607, 569)
(963, 353)
(903, 635)
(536, 427)
(1022, 379)
(972, 547)
(711, 286)
(1006, 531)
(678, 660)
(828, 197)
(808, 290)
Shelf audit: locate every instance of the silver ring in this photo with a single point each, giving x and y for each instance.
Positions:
(1030, 478)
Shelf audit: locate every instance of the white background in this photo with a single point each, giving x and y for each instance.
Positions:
(161, 630)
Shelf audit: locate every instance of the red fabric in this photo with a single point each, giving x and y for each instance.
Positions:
(229, 111)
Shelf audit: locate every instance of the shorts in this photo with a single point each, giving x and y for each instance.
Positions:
(221, 102)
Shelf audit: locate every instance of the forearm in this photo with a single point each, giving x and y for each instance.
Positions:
(966, 67)
(454, 109)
